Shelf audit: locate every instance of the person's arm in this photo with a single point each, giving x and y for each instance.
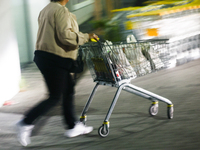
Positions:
(64, 30)
(65, 33)
(91, 36)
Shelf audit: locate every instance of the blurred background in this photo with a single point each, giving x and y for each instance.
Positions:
(175, 20)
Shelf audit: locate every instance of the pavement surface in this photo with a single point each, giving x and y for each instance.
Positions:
(131, 126)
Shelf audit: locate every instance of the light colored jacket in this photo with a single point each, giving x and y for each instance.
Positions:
(58, 31)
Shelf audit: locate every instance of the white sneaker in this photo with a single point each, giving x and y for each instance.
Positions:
(78, 129)
(24, 133)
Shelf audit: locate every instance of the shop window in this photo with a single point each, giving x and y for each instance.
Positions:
(77, 4)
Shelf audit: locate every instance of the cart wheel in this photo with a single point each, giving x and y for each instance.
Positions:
(103, 131)
(170, 111)
(153, 109)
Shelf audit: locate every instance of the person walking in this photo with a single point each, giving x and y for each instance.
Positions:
(56, 51)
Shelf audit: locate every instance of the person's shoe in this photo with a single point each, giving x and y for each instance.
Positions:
(24, 133)
(78, 129)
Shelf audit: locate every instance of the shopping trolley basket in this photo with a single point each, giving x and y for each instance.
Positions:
(116, 64)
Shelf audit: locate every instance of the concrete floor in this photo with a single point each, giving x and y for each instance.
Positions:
(131, 126)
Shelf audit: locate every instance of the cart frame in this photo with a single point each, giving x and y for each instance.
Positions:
(128, 87)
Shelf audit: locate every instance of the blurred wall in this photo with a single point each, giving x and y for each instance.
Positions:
(83, 10)
(9, 55)
(25, 14)
(19, 24)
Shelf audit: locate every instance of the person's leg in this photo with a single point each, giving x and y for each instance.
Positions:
(55, 79)
(68, 102)
(74, 128)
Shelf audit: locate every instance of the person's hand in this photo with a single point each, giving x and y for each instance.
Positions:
(93, 36)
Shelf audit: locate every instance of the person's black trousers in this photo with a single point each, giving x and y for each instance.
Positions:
(60, 85)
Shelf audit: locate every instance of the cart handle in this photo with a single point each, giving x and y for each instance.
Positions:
(93, 40)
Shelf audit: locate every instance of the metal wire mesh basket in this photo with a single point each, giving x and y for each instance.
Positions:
(117, 61)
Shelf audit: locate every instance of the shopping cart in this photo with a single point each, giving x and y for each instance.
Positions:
(116, 64)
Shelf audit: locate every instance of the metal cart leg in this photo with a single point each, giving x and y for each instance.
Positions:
(85, 109)
(146, 94)
(153, 110)
(104, 129)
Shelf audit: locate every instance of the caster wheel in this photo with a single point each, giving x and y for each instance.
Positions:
(103, 131)
(153, 109)
(170, 111)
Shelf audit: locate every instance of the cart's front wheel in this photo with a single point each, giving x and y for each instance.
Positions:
(170, 111)
(153, 109)
(103, 131)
